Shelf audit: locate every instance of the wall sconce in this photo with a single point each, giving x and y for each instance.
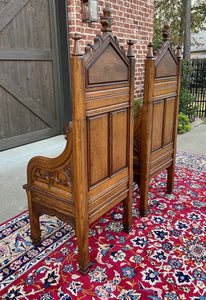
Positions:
(90, 10)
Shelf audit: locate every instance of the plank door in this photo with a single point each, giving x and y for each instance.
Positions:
(29, 104)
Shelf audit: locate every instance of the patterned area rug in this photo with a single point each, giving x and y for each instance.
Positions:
(163, 257)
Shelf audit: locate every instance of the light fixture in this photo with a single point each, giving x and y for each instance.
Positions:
(90, 10)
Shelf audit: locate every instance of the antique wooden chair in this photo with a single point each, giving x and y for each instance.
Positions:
(95, 171)
(155, 129)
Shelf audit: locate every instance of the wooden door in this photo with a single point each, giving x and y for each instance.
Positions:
(29, 104)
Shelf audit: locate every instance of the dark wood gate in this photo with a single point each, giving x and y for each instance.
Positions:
(29, 98)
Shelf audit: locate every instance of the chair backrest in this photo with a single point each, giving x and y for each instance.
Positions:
(155, 129)
(103, 95)
(160, 105)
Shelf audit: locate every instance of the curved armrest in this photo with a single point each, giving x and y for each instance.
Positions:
(47, 164)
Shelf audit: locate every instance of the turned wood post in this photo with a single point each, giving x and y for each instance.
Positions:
(80, 185)
(171, 170)
(127, 221)
(146, 133)
(35, 232)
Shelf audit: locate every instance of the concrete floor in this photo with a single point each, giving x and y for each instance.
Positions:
(193, 141)
(13, 165)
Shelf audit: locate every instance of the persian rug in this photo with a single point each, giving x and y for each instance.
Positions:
(163, 257)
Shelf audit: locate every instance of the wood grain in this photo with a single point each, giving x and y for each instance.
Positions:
(155, 129)
(94, 172)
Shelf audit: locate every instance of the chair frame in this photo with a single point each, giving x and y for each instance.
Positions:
(75, 186)
(155, 129)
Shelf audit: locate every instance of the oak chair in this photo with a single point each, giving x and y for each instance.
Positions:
(155, 129)
(95, 171)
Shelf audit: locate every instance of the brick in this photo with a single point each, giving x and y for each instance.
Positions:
(132, 20)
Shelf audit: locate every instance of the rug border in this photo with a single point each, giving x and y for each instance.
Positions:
(9, 220)
(191, 153)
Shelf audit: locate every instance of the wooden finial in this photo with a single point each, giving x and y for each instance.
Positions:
(106, 20)
(150, 51)
(97, 41)
(123, 50)
(130, 53)
(166, 32)
(179, 51)
(77, 49)
(116, 40)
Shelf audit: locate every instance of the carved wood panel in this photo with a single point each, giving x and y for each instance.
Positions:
(167, 66)
(119, 140)
(107, 145)
(157, 125)
(109, 67)
(169, 119)
(98, 148)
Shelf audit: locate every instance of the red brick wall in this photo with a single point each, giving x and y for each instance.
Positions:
(132, 19)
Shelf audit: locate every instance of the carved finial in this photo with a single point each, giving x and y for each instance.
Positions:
(179, 51)
(116, 40)
(150, 51)
(106, 20)
(97, 41)
(166, 32)
(77, 49)
(122, 50)
(130, 53)
(88, 49)
(91, 46)
(156, 52)
(97, 38)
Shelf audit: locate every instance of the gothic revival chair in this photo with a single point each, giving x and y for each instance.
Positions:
(95, 171)
(155, 129)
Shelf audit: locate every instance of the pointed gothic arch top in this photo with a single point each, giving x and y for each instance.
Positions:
(166, 61)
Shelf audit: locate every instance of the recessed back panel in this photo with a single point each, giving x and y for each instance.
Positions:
(107, 112)
(98, 146)
(109, 67)
(167, 66)
(119, 120)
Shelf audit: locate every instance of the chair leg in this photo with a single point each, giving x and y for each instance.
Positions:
(170, 179)
(127, 219)
(35, 231)
(83, 249)
(144, 190)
